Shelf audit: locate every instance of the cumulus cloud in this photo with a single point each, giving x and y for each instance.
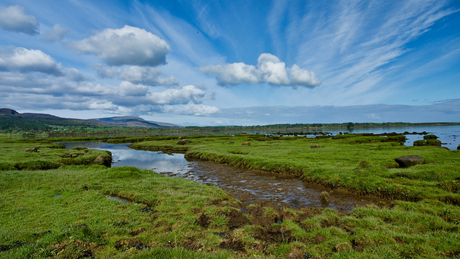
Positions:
(28, 60)
(57, 34)
(234, 74)
(303, 77)
(273, 70)
(13, 18)
(125, 46)
(269, 69)
(192, 109)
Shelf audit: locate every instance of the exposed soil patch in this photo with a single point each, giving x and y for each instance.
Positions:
(276, 234)
(232, 244)
(236, 219)
(203, 220)
(318, 239)
(258, 217)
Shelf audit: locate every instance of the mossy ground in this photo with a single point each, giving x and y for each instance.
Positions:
(178, 218)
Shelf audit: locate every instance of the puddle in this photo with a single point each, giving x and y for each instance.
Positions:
(116, 198)
(266, 189)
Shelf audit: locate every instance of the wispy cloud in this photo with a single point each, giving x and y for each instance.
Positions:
(57, 34)
(351, 43)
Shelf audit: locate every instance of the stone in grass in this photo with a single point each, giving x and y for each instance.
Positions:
(408, 161)
(100, 160)
(184, 141)
(31, 150)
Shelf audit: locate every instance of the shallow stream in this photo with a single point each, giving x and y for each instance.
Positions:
(248, 186)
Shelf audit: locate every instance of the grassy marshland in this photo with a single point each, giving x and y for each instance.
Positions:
(173, 217)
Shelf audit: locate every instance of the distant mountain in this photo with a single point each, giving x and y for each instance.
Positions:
(13, 120)
(131, 121)
(4, 111)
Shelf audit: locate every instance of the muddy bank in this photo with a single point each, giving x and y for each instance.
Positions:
(268, 189)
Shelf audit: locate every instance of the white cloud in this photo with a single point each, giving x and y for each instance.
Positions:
(57, 34)
(125, 46)
(49, 92)
(303, 77)
(269, 69)
(234, 74)
(13, 18)
(273, 70)
(136, 75)
(192, 109)
(28, 60)
(147, 75)
(178, 96)
(129, 89)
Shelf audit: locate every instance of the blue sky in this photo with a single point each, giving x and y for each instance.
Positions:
(233, 62)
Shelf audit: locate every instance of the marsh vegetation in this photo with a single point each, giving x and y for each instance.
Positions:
(63, 211)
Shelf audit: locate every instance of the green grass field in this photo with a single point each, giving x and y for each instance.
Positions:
(65, 213)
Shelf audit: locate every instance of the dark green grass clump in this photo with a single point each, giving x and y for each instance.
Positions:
(39, 156)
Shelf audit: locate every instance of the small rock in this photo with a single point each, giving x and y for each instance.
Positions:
(184, 141)
(408, 161)
(100, 160)
(30, 150)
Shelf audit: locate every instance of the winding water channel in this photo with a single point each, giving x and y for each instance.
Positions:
(248, 186)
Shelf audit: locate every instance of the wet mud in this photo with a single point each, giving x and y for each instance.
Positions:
(268, 189)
